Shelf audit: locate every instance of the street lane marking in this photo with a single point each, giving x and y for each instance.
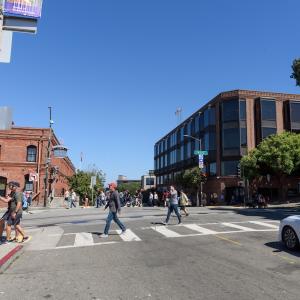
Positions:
(89, 245)
(285, 258)
(83, 239)
(166, 232)
(128, 236)
(264, 224)
(200, 229)
(228, 240)
(243, 228)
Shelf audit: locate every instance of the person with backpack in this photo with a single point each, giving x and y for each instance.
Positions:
(13, 215)
(183, 202)
(25, 204)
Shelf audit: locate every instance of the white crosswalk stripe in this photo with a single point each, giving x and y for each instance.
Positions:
(200, 229)
(83, 239)
(166, 232)
(264, 224)
(236, 226)
(128, 236)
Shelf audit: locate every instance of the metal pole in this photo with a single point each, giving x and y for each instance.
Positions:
(48, 157)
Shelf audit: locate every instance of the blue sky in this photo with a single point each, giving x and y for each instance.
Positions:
(115, 71)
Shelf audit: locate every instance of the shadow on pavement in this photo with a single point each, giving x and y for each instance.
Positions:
(279, 247)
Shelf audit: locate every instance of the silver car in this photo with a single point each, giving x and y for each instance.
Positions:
(289, 232)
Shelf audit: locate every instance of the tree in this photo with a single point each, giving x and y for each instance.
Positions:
(277, 155)
(296, 71)
(193, 179)
(132, 187)
(81, 181)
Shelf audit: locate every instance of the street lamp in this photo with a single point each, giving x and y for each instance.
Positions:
(59, 152)
(200, 146)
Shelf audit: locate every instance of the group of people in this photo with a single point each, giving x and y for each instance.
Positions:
(12, 217)
(114, 204)
(70, 198)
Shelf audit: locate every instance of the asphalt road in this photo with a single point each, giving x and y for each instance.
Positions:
(215, 254)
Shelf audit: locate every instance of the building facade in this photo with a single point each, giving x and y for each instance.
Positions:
(228, 127)
(23, 158)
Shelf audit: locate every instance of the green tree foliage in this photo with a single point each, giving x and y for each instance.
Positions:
(191, 179)
(81, 181)
(130, 186)
(296, 71)
(277, 155)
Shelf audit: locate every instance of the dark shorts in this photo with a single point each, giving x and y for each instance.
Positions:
(10, 221)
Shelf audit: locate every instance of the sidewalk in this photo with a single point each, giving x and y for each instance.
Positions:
(8, 252)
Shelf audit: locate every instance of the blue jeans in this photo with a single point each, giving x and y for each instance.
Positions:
(173, 207)
(113, 216)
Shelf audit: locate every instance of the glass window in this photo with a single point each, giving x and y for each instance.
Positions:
(295, 112)
(268, 110)
(212, 116)
(229, 167)
(212, 169)
(206, 118)
(268, 131)
(149, 181)
(182, 152)
(31, 154)
(189, 128)
(231, 138)
(242, 110)
(197, 123)
(201, 117)
(189, 150)
(230, 110)
(244, 137)
(181, 134)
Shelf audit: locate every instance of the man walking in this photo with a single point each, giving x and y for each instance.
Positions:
(113, 202)
(173, 205)
(72, 198)
(13, 215)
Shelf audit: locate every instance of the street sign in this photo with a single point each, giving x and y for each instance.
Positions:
(199, 152)
(16, 24)
(93, 181)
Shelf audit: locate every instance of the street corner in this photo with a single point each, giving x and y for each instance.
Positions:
(9, 252)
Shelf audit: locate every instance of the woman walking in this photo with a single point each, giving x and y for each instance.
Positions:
(183, 202)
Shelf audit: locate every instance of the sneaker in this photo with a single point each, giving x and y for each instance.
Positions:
(103, 235)
(123, 232)
(164, 223)
(179, 223)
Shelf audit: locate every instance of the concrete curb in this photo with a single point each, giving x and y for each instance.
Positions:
(10, 255)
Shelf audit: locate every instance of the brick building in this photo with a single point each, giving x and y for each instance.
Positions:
(23, 157)
(228, 126)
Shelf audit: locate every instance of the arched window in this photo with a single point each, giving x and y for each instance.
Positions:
(31, 153)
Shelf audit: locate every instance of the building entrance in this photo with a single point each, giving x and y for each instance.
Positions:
(3, 183)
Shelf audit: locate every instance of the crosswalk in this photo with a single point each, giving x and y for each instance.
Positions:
(61, 240)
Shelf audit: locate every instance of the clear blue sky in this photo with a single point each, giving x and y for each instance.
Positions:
(115, 71)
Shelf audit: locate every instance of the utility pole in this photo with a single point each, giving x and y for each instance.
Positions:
(48, 157)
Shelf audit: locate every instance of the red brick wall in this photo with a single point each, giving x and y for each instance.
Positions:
(13, 164)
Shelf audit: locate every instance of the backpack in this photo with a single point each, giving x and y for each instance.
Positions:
(24, 202)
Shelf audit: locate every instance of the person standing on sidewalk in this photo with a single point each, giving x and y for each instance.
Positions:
(173, 205)
(113, 202)
(13, 215)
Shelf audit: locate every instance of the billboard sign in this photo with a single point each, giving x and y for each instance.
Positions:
(23, 8)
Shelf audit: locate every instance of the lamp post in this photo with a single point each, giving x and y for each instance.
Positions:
(200, 146)
(48, 157)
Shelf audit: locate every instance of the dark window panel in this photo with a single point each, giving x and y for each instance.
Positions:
(230, 110)
(295, 112)
(229, 167)
(242, 110)
(268, 110)
(243, 137)
(268, 131)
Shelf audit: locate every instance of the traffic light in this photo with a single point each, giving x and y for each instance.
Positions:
(238, 170)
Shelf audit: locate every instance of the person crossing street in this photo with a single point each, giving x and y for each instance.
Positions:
(113, 202)
(173, 206)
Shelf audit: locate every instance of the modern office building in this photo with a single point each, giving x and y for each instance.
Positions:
(228, 126)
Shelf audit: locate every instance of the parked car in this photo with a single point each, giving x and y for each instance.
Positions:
(289, 232)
